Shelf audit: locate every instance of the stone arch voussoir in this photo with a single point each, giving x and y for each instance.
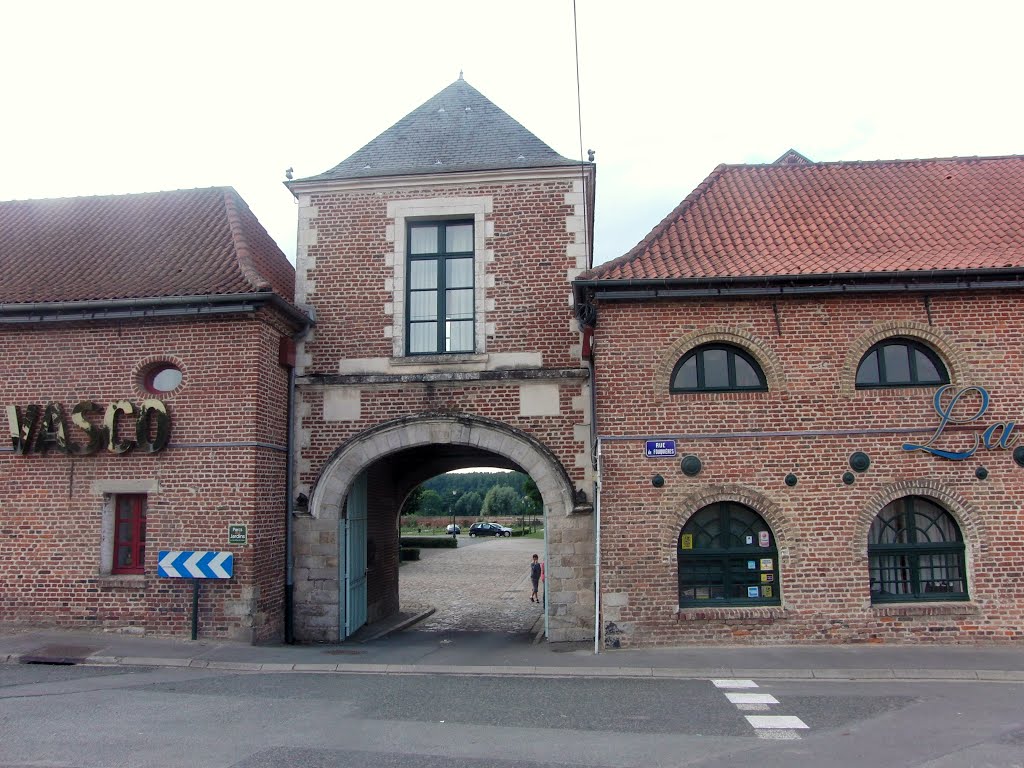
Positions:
(357, 453)
(738, 337)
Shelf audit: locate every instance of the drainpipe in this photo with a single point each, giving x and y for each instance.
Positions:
(289, 493)
(597, 556)
(289, 574)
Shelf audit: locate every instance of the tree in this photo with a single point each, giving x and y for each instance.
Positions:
(430, 504)
(412, 501)
(469, 504)
(501, 501)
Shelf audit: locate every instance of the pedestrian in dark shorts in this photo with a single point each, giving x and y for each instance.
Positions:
(535, 572)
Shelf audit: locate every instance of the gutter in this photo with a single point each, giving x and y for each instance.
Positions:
(778, 285)
(156, 306)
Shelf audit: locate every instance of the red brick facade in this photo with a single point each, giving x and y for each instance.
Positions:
(808, 423)
(225, 464)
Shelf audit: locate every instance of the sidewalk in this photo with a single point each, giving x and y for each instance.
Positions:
(489, 653)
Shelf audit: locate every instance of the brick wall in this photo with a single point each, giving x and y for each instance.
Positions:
(51, 541)
(809, 350)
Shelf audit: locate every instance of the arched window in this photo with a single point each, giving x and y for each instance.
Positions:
(916, 552)
(727, 556)
(718, 368)
(899, 362)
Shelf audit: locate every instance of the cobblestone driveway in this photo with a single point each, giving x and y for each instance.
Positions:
(483, 586)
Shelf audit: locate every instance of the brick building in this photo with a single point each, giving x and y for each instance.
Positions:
(142, 379)
(806, 378)
(438, 260)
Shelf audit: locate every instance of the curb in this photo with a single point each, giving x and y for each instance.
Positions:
(658, 673)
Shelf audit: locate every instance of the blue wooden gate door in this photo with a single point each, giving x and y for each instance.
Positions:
(355, 558)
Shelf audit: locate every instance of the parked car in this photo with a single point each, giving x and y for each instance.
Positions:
(489, 529)
(453, 528)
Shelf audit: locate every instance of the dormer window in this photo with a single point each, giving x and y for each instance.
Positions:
(440, 287)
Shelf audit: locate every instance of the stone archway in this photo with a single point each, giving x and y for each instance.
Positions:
(381, 451)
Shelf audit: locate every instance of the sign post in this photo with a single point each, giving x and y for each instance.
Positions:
(176, 564)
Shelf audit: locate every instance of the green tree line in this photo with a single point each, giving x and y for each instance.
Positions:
(475, 494)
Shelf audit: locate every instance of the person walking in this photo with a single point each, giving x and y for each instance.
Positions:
(536, 569)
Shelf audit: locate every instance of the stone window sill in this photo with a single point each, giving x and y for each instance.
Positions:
(122, 581)
(467, 359)
(925, 609)
(767, 613)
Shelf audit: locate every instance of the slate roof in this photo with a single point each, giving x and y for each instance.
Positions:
(459, 129)
(805, 219)
(190, 242)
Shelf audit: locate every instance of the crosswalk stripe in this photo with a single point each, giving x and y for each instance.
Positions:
(751, 698)
(777, 734)
(730, 683)
(775, 721)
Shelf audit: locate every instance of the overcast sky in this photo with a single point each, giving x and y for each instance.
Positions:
(102, 98)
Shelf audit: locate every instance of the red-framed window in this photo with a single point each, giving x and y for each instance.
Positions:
(129, 534)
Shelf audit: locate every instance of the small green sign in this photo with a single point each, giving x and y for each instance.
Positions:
(238, 534)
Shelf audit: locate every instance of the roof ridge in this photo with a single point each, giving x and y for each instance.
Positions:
(894, 161)
(243, 253)
(117, 195)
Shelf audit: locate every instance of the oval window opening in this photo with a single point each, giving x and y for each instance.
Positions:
(162, 379)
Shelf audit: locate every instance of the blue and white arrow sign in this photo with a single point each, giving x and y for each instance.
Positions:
(195, 565)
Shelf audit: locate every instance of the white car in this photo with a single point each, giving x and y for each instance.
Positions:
(453, 528)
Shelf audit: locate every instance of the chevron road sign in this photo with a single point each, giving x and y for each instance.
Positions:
(195, 565)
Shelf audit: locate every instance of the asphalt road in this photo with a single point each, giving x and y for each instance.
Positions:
(87, 717)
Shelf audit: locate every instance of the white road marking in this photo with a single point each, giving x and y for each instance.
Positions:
(727, 683)
(777, 734)
(751, 698)
(775, 721)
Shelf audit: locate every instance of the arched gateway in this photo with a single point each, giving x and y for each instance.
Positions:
(356, 499)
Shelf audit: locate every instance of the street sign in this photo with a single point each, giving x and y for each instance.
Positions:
(238, 534)
(660, 448)
(195, 565)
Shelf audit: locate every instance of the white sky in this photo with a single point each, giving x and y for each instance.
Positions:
(102, 97)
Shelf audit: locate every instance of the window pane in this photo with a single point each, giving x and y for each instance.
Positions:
(125, 530)
(459, 304)
(897, 363)
(124, 557)
(716, 369)
(423, 305)
(867, 374)
(890, 575)
(423, 337)
(746, 376)
(941, 574)
(889, 525)
(458, 273)
(927, 373)
(686, 376)
(459, 336)
(460, 238)
(423, 239)
(423, 274)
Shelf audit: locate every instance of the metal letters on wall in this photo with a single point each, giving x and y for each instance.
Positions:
(35, 429)
(997, 435)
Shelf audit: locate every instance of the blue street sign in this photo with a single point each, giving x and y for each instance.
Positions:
(660, 448)
(195, 565)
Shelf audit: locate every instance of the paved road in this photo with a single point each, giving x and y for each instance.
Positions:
(96, 717)
(483, 586)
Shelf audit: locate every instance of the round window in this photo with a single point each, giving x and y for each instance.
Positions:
(162, 378)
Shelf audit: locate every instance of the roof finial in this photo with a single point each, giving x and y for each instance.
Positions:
(460, 74)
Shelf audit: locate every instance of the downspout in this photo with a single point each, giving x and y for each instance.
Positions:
(597, 555)
(289, 571)
(289, 493)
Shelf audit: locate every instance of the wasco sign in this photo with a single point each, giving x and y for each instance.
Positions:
(35, 429)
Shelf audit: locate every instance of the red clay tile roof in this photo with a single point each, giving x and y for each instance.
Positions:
(837, 218)
(190, 242)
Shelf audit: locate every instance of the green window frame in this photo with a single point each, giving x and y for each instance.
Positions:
(440, 288)
(727, 556)
(718, 368)
(916, 553)
(900, 362)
